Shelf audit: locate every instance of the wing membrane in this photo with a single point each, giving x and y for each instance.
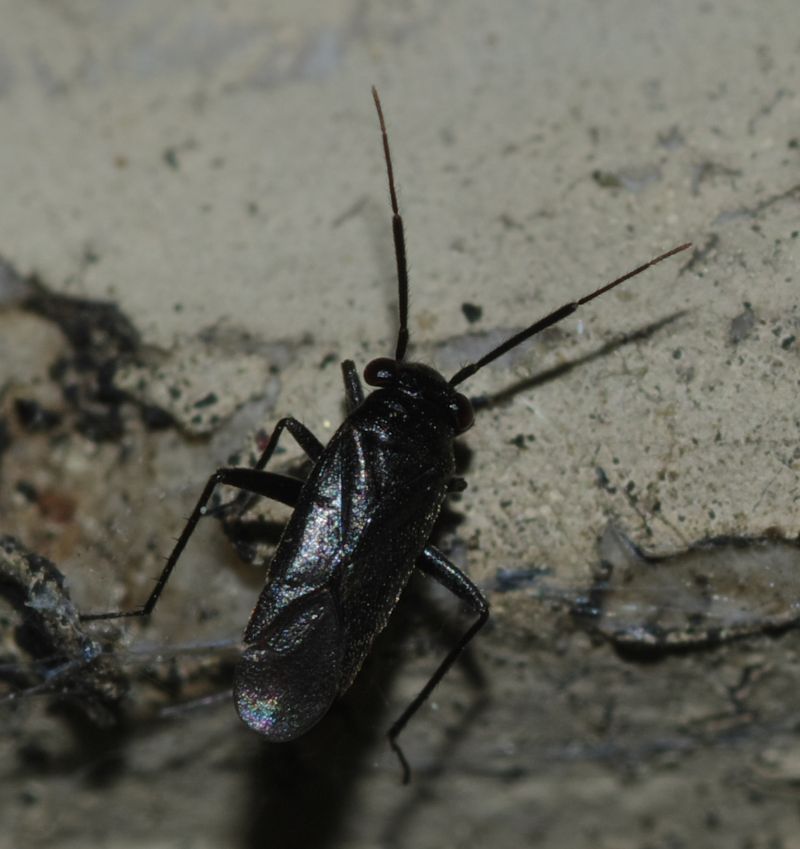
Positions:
(287, 680)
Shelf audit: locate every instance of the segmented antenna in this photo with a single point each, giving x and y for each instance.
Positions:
(554, 317)
(399, 240)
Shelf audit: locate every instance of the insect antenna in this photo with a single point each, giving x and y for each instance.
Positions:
(553, 318)
(399, 240)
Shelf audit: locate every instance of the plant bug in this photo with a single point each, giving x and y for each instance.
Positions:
(361, 525)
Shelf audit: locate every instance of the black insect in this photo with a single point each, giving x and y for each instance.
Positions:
(361, 524)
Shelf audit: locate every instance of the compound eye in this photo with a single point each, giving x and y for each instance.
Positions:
(381, 372)
(464, 415)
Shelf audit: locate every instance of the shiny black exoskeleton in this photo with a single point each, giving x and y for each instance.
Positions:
(361, 525)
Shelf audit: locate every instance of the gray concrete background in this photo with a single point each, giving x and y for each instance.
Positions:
(215, 171)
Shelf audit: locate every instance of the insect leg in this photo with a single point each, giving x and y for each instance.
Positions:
(281, 488)
(278, 487)
(353, 390)
(256, 480)
(456, 485)
(434, 564)
(302, 436)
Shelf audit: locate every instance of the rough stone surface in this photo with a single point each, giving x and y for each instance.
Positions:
(194, 199)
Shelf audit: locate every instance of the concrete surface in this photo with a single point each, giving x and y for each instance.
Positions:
(213, 171)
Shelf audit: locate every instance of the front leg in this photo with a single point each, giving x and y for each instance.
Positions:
(256, 481)
(302, 436)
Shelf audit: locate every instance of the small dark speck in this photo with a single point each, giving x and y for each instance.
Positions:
(206, 401)
(207, 615)
(327, 360)
(602, 480)
(174, 392)
(177, 307)
(100, 428)
(606, 180)
(154, 418)
(472, 312)
(671, 139)
(35, 756)
(794, 144)
(677, 354)
(27, 491)
(34, 417)
(170, 157)
(509, 222)
(518, 440)
(787, 343)
(742, 325)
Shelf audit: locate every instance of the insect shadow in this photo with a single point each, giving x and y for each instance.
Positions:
(319, 771)
(361, 525)
(504, 395)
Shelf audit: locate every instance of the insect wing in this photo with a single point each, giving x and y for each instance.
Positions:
(354, 495)
(360, 522)
(287, 681)
(388, 520)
